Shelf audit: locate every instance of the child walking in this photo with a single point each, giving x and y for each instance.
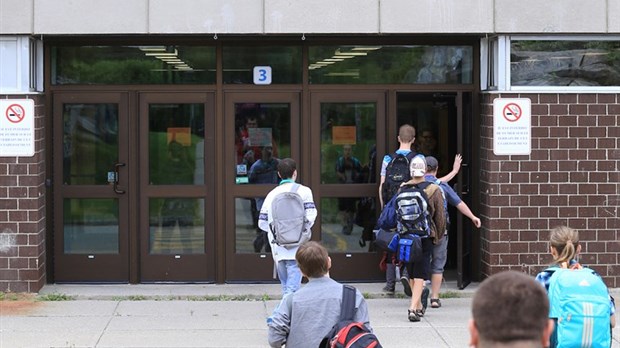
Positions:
(572, 289)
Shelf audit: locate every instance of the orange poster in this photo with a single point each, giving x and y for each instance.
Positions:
(180, 135)
(343, 135)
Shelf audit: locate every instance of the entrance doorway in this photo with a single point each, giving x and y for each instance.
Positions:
(133, 195)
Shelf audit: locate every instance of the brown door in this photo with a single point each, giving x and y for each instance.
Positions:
(259, 128)
(176, 160)
(347, 135)
(91, 191)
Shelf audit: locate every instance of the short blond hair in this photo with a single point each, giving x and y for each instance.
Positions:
(406, 133)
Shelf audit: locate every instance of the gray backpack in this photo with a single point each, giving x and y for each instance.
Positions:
(289, 219)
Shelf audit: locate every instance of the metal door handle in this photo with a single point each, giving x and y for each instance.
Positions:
(116, 168)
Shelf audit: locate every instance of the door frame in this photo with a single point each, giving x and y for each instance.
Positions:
(251, 267)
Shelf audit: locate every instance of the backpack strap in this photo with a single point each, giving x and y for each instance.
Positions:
(294, 187)
(347, 307)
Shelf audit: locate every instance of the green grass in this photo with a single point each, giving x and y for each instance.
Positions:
(54, 297)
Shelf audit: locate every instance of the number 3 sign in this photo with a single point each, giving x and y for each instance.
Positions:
(262, 75)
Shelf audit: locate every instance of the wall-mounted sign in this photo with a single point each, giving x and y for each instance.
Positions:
(343, 135)
(512, 126)
(16, 128)
(262, 75)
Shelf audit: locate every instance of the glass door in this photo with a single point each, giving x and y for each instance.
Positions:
(177, 228)
(347, 136)
(91, 191)
(260, 129)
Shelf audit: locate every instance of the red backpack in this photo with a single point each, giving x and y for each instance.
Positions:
(348, 333)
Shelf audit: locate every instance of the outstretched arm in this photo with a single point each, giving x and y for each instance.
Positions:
(464, 209)
(456, 166)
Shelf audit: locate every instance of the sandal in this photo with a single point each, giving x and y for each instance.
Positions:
(420, 312)
(412, 315)
(435, 303)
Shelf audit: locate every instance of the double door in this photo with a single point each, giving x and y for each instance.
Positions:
(153, 187)
(133, 187)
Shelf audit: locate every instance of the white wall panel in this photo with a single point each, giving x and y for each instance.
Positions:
(199, 16)
(436, 16)
(613, 16)
(90, 16)
(321, 16)
(551, 16)
(16, 16)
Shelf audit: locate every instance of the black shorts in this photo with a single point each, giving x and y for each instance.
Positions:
(421, 267)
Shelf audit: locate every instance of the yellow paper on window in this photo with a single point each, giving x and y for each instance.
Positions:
(182, 135)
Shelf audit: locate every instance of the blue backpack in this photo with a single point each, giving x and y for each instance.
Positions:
(580, 302)
(412, 211)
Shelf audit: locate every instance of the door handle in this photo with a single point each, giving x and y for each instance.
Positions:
(116, 168)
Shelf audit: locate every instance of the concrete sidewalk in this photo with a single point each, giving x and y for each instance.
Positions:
(231, 315)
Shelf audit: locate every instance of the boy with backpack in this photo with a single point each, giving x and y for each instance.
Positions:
(421, 220)
(303, 318)
(583, 310)
(440, 250)
(287, 216)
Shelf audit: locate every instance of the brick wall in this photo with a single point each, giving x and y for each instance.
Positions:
(22, 213)
(571, 178)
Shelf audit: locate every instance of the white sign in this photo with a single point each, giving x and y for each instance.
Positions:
(262, 75)
(512, 126)
(16, 128)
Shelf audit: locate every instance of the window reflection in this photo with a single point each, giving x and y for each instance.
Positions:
(248, 237)
(90, 143)
(347, 223)
(348, 143)
(262, 136)
(176, 144)
(90, 226)
(407, 64)
(176, 225)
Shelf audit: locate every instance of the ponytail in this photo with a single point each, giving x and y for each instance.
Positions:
(565, 240)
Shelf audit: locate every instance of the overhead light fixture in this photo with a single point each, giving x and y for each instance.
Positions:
(334, 59)
(349, 54)
(152, 48)
(366, 48)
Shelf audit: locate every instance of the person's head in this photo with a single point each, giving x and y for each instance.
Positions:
(406, 134)
(431, 165)
(313, 260)
(417, 167)
(428, 142)
(251, 122)
(510, 309)
(346, 151)
(267, 152)
(564, 244)
(287, 169)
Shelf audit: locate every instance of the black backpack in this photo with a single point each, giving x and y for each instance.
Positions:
(396, 172)
(348, 333)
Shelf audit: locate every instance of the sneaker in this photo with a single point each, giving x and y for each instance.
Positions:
(425, 293)
(412, 315)
(406, 287)
(388, 289)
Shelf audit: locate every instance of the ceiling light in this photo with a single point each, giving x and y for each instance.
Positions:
(366, 48)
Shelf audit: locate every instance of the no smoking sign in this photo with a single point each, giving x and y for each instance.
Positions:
(17, 128)
(512, 129)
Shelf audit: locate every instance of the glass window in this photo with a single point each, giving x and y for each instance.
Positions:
(262, 136)
(346, 222)
(176, 225)
(564, 63)
(248, 237)
(176, 144)
(90, 143)
(133, 65)
(390, 64)
(90, 226)
(285, 63)
(348, 132)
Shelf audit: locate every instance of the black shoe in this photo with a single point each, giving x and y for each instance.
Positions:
(406, 287)
(425, 293)
(388, 289)
(412, 315)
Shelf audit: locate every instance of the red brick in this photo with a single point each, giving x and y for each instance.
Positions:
(558, 200)
(606, 98)
(577, 109)
(548, 98)
(595, 109)
(538, 109)
(587, 98)
(567, 121)
(558, 109)
(568, 98)
(549, 212)
(539, 201)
